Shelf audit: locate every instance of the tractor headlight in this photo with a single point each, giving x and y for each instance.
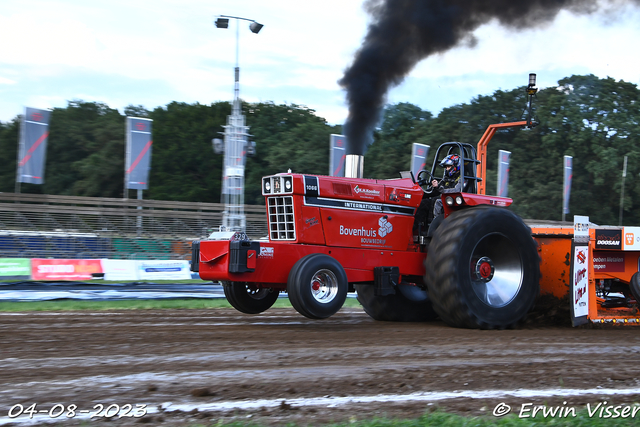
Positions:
(277, 184)
(451, 201)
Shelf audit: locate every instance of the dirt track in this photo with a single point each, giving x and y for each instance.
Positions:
(219, 357)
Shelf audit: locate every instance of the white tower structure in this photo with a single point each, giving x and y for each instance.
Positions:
(235, 142)
(236, 145)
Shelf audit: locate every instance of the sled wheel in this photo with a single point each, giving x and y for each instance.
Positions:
(317, 286)
(409, 304)
(635, 287)
(483, 269)
(248, 298)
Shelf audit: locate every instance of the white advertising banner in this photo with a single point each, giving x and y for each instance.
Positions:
(337, 154)
(503, 172)
(419, 153)
(581, 228)
(580, 270)
(118, 269)
(580, 281)
(163, 270)
(138, 153)
(568, 177)
(32, 148)
(631, 241)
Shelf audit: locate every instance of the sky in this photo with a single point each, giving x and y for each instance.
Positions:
(150, 53)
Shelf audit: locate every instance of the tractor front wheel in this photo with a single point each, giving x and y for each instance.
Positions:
(483, 269)
(317, 286)
(248, 298)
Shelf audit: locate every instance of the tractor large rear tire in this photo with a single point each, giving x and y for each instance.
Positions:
(635, 287)
(317, 286)
(483, 269)
(398, 307)
(249, 299)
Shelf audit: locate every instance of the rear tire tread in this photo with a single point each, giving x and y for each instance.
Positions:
(393, 308)
(441, 270)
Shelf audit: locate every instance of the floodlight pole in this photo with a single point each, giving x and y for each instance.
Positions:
(624, 175)
(235, 139)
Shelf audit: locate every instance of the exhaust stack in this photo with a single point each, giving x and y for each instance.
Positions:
(354, 166)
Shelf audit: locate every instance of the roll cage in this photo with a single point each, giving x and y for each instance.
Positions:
(468, 163)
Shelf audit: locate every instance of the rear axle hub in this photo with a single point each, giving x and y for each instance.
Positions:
(484, 269)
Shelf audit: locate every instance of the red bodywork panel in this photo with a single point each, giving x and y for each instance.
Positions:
(276, 259)
(475, 200)
(362, 223)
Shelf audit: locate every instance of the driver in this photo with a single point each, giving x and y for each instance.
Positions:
(450, 182)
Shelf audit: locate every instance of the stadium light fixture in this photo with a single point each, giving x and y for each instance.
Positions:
(255, 27)
(222, 23)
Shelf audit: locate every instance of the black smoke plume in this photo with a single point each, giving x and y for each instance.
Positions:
(403, 32)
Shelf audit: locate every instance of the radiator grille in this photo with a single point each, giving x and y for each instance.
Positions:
(281, 218)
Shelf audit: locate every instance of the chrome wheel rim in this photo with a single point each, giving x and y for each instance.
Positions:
(496, 270)
(324, 286)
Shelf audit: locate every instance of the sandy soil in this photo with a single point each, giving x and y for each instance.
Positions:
(201, 366)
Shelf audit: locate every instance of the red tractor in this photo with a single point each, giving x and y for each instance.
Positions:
(475, 266)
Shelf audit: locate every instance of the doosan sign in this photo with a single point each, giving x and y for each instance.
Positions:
(608, 238)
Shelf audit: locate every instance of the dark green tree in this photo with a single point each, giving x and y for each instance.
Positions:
(85, 155)
(390, 152)
(183, 164)
(136, 111)
(594, 120)
(9, 134)
(287, 137)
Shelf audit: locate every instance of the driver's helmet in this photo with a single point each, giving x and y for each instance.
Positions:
(451, 160)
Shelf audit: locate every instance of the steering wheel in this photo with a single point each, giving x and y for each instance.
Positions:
(424, 181)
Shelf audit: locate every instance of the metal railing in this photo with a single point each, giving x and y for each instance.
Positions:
(64, 226)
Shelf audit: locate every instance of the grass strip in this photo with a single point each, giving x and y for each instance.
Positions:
(440, 418)
(133, 304)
